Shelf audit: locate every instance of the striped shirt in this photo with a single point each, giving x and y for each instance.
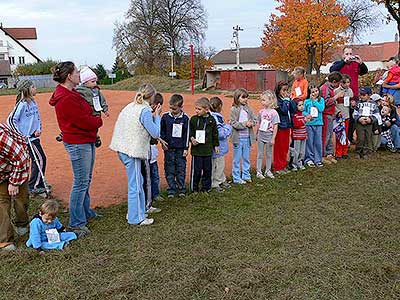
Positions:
(14, 156)
(299, 131)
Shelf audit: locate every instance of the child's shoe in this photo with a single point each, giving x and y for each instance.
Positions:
(331, 159)
(146, 222)
(170, 196)
(225, 185)
(248, 180)
(294, 168)
(326, 161)
(219, 189)
(181, 194)
(240, 182)
(319, 164)
(269, 174)
(97, 144)
(152, 210)
(59, 137)
(260, 175)
(310, 164)
(158, 198)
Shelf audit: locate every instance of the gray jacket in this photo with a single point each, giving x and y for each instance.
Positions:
(236, 125)
(88, 94)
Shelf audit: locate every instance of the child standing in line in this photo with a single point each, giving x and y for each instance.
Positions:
(300, 84)
(268, 120)
(46, 231)
(90, 91)
(364, 116)
(343, 112)
(328, 93)
(174, 139)
(242, 120)
(313, 108)
(204, 138)
(285, 108)
(25, 119)
(218, 181)
(299, 136)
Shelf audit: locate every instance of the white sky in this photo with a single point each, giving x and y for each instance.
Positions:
(82, 31)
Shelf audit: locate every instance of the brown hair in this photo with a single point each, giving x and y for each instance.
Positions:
(158, 99)
(49, 207)
(216, 104)
(335, 76)
(176, 99)
(203, 102)
(345, 77)
(279, 87)
(62, 70)
(237, 94)
(300, 70)
(311, 87)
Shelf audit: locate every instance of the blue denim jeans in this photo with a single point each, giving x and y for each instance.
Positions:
(82, 161)
(175, 171)
(241, 152)
(314, 144)
(154, 180)
(136, 198)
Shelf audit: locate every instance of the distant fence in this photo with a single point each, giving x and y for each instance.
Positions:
(40, 81)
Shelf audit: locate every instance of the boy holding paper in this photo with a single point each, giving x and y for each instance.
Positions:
(365, 114)
(300, 84)
(203, 135)
(175, 143)
(343, 104)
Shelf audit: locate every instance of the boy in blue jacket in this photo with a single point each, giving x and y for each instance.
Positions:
(46, 231)
(174, 137)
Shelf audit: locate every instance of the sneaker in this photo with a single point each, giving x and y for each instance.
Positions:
(302, 167)
(310, 164)
(326, 161)
(181, 195)
(97, 216)
(219, 189)
(152, 210)
(225, 185)
(97, 144)
(146, 222)
(331, 159)
(269, 174)
(158, 198)
(294, 168)
(21, 230)
(240, 182)
(171, 196)
(10, 247)
(260, 175)
(248, 180)
(80, 231)
(319, 164)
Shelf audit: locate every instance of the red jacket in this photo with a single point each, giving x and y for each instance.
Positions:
(327, 92)
(299, 131)
(74, 116)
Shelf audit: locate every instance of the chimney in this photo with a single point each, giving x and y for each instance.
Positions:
(396, 37)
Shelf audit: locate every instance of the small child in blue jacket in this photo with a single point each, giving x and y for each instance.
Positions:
(46, 231)
(218, 181)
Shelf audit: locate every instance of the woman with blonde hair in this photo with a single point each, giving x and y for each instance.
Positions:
(131, 139)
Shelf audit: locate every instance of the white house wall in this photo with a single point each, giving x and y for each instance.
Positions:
(233, 67)
(30, 44)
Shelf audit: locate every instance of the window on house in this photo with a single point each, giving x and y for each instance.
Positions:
(12, 60)
(21, 60)
(2, 56)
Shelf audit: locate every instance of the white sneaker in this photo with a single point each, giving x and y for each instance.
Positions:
(310, 163)
(240, 182)
(10, 247)
(269, 174)
(152, 210)
(21, 230)
(147, 222)
(302, 167)
(260, 175)
(294, 168)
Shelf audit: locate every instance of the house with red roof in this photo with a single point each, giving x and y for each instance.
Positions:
(17, 46)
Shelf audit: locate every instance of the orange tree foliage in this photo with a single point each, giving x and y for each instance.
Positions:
(304, 33)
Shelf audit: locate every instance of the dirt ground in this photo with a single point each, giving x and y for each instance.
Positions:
(109, 184)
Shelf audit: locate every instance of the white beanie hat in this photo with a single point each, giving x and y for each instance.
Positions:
(87, 74)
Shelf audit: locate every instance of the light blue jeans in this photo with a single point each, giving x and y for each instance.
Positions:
(314, 144)
(82, 161)
(136, 197)
(241, 152)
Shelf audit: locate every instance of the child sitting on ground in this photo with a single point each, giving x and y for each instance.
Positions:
(299, 137)
(91, 92)
(218, 181)
(46, 231)
(387, 122)
(392, 77)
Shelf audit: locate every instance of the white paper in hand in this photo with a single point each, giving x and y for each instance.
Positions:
(366, 111)
(53, 236)
(201, 136)
(177, 130)
(264, 125)
(96, 103)
(314, 112)
(297, 91)
(346, 101)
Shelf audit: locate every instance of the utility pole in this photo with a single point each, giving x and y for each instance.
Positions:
(235, 41)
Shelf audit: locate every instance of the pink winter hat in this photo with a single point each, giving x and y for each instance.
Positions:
(87, 74)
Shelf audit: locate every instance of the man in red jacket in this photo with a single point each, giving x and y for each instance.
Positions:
(14, 174)
(353, 66)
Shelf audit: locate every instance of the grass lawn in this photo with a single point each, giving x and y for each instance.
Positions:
(329, 233)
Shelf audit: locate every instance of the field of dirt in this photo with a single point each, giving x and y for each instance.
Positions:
(109, 184)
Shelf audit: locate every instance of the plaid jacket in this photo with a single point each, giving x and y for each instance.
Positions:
(14, 156)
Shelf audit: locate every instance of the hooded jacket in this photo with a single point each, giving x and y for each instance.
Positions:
(74, 116)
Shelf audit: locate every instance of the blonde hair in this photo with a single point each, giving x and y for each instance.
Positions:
(203, 102)
(270, 95)
(145, 93)
(49, 207)
(237, 94)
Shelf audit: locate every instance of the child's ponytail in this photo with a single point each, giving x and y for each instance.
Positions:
(145, 93)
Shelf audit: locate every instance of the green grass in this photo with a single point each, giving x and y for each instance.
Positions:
(329, 233)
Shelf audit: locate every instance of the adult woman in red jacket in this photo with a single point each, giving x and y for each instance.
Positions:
(79, 128)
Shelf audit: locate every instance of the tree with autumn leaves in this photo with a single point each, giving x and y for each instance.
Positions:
(304, 33)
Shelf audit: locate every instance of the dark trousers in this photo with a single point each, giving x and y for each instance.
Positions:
(352, 126)
(201, 170)
(364, 139)
(21, 212)
(151, 181)
(175, 170)
(36, 181)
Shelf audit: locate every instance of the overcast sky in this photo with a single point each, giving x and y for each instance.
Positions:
(82, 31)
